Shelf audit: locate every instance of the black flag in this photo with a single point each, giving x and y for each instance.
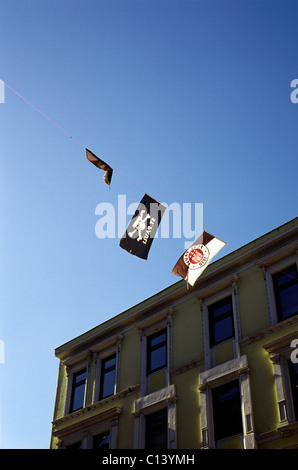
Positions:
(142, 228)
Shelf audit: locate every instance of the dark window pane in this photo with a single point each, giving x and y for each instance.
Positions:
(286, 292)
(220, 308)
(108, 375)
(286, 276)
(156, 351)
(221, 323)
(157, 430)
(80, 377)
(223, 329)
(78, 390)
(101, 441)
(76, 445)
(289, 301)
(108, 384)
(158, 339)
(158, 358)
(227, 410)
(78, 397)
(110, 362)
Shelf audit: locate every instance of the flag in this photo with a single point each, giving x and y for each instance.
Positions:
(193, 262)
(142, 228)
(102, 165)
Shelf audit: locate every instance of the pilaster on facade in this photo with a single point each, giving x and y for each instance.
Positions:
(280, 351)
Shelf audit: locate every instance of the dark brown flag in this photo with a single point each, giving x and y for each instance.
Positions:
(102, 165)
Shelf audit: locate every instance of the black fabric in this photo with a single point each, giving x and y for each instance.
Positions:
(142, 228)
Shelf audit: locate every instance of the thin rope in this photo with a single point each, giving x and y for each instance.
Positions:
(129, 181)
(64, 131)
(43, 114)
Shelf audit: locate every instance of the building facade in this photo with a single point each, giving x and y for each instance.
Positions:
(213, 366)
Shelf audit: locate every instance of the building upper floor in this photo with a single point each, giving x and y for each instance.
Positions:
(248, 294)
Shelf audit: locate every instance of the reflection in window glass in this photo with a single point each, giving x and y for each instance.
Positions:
(221, 324)
(157, 430)
(286, 292)
(156, 351)
(78, 390)
(108, 374)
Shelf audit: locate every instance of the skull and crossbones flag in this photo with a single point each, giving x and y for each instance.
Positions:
(102, 165)
(196, 259)
(142, 228)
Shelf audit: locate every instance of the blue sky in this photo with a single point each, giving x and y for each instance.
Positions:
(188, 100)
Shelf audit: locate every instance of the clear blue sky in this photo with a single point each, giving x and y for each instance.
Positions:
(190, 100)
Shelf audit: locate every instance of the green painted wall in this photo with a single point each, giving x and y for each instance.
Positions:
(187, 333)
(253, 309)
(188, 409)
(262, 388)
(130, 359)
(125, 435)
(61, 392)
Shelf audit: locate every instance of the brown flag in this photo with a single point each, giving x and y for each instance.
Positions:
(102, 165)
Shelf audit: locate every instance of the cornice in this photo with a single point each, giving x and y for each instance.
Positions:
(281, 431)
(72, 427)
(69, 421)
(268, 331)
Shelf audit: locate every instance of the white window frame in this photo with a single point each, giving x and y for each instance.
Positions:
(280, 352)
(102, 351)
(73, 365)
(219, 375)
(152, 324)
(156, 401)
(268, 272)
(209, 352)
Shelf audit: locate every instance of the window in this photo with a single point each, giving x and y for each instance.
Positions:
(293, 371)
(101, 441)
(221, 325)
(78, 390)
(155, 424)
(76, 445)
(227, 410)
(108, 374)
(157, 430)
(157, 351)
(286, 292)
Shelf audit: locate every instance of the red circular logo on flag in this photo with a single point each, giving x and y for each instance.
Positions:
(196, 256)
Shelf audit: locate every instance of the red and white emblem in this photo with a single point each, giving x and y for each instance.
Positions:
(196, 256)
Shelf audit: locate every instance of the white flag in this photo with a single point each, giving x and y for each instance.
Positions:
(196, 259)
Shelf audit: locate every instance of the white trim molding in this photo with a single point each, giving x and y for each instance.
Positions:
(147, 327)
(163, 398)
(280, 351)
(226, 372)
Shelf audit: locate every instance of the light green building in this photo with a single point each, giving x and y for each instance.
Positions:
(213, 366)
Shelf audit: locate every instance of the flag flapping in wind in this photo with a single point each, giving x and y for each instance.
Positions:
(195, 260)
(102, 165)
(142, 228)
